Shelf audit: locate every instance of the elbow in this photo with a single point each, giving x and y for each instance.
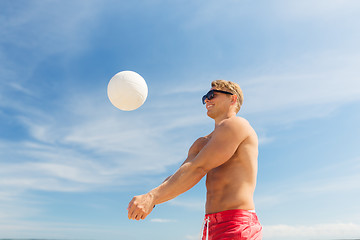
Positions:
(202, 170)
(197, 169)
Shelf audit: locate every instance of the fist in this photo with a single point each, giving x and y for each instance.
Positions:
(140, 206)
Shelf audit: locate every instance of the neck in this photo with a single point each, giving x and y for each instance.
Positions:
(220, 118)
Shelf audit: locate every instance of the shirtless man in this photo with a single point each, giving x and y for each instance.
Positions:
(228, 158)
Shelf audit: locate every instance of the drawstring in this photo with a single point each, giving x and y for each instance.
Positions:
(206, 221)
(207, 228)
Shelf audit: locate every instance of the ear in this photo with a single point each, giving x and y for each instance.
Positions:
(234, 99)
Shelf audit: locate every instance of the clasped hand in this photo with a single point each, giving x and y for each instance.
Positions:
(140, 206)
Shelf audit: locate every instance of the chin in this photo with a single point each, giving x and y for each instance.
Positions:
(210, 114)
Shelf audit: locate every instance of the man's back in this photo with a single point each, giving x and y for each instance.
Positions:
(232, 184)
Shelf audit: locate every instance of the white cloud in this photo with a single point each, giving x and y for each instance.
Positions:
(318, 231)
(286, 92)
(87, 143)
(276, 12)
(263, 139)
(57, 230)
(308, 87)
(268, 201)
(29, 165)
(192, 237)
(192, 204)
(226, 12)
(311, 188)
(161, 220)
(35, 31)
(48, 27)
(338, 177)
(315, 9)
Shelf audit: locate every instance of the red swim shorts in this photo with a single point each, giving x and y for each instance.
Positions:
(234, 224)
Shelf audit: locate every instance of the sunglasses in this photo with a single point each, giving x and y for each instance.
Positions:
(210, 95)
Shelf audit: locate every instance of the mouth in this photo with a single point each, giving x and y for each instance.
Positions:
(209, 106)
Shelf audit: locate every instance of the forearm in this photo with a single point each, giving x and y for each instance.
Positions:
(182, 180)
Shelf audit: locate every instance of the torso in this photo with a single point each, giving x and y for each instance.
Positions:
(232, 184)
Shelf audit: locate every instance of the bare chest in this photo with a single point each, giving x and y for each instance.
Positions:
(223, 175)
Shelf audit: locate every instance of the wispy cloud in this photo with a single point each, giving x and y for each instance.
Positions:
(306, 82)
(318, 231)
(315, 10)
(340, 178)
(310, 85)
(88, 143)
(334, 178)
(47, 25)
(193, 237)
(291, 11)
(263, 139)
(192, 204)
(56, 230)
(161, 220)
(14, 207)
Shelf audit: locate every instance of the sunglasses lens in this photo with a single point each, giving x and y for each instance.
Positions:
(209, 95)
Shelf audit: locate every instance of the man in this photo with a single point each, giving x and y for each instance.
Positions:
(228, 158)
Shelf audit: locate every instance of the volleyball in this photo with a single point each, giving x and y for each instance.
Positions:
(127, 90)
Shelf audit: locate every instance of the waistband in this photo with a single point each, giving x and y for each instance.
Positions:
(231, 214)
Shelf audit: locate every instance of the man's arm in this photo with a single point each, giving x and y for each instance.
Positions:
(222, 145)
(140, 201)
(193, 151)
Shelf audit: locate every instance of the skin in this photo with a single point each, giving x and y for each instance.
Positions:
(227, 157)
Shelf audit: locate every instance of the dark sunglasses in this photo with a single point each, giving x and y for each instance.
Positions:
(210, 94)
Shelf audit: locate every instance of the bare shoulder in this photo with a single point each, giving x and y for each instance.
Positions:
(236, 123)
(237, 127)
(198, 145)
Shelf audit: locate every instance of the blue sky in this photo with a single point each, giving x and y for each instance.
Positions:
(70, 162)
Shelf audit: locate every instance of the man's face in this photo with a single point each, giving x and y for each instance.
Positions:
(218, 103)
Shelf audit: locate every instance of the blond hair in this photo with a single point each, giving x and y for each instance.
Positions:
(231, 87)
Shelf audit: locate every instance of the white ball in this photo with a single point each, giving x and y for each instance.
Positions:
(127, 90)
